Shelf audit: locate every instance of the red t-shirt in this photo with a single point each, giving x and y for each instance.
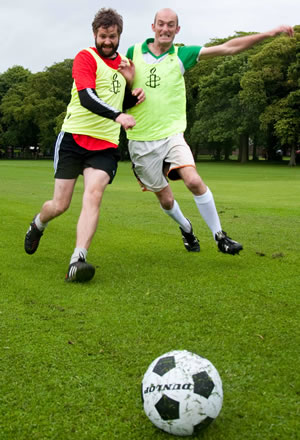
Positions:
(84, 75)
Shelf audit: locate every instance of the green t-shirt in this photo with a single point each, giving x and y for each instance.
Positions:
(188, 55)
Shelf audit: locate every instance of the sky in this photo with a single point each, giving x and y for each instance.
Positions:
(36, 34)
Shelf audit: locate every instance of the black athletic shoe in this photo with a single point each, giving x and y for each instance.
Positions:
(80, 271)
(226, 244)
(190, 241)
(32, 238)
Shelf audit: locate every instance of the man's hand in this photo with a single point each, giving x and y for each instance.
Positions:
(282, 29)
(140, 94)
(127, 70)
(127, 121)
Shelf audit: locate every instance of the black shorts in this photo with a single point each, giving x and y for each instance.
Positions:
(70, 159)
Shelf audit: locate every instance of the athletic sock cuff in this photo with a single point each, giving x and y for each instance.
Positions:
(39, 224)
(204, 198)
(170, 211)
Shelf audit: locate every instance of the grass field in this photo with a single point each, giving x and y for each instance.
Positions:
(72, 356)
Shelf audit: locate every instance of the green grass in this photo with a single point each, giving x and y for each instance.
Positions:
(72, 356)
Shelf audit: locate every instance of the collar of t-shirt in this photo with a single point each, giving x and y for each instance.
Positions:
(145, 48)
(111, 62)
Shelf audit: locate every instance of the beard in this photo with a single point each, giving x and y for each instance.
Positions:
(107, 53)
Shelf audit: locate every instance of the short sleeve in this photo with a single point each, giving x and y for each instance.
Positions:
(84, 70)
(189, 55)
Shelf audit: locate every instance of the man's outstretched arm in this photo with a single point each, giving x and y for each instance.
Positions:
(236, 45)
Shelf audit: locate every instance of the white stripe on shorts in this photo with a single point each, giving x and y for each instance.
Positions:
(57, 148)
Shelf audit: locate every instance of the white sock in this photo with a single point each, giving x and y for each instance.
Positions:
(78, 253)
(40, 225)
(176, 214)
(207, 208)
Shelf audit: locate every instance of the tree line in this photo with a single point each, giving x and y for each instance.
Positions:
(241, 103)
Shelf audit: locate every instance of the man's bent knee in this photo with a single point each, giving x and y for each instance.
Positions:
(165, 198)
(194, 184)
(193, 181)
(167, 204)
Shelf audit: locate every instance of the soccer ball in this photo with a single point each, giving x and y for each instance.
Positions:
(182, 392)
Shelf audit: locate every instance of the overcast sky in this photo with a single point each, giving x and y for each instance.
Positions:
(38, 33)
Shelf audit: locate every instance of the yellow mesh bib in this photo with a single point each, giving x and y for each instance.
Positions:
(163, 113)
(110, 87)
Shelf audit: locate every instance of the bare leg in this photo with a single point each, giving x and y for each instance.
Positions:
(63, 191)
(166, 198)
(95, 182)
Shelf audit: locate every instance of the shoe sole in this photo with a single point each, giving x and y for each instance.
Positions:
(233, 252)
(193, 250)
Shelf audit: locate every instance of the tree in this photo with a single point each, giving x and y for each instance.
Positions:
(30, 108)
(204, 68)
(11, 129)
(13, 76)
(284, 116)
(252, 97)
(218, 111)
(49, 94)
(273, 96)
(231, 99)
(17, 119)
(221, 117)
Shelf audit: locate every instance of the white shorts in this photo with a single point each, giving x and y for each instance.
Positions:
(154, 160)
